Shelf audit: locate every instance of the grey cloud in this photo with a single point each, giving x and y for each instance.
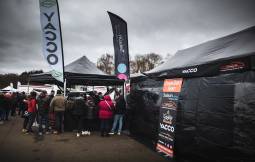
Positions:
(163, 27)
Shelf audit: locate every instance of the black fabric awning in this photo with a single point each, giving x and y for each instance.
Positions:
(82, 72)
(232, 53)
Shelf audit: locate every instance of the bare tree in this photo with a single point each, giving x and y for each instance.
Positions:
(142, 63)
(153, 60)
(105, 63)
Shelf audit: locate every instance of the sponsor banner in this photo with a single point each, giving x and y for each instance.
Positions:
(52, 41)
(163, 149)
(172, 85)
(167, 116)
(233, 66)
(169, 103)
(120, 42)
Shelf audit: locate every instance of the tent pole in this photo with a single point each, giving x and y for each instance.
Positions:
(124, 90)
(28, 87)
(65, 88)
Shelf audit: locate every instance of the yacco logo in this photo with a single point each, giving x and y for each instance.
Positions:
(48, 3)
(50, 36)
(166, 127)
(191, 70)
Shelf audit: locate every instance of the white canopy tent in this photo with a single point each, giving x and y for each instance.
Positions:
(9, 89)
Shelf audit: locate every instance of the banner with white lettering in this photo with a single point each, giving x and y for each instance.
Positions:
(167, 116)
(120, 42)
(52, 41)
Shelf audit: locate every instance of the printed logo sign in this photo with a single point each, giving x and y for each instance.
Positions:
(47, 3)
(172, 85)
(167, 116)
(169, 104)
(235, 65)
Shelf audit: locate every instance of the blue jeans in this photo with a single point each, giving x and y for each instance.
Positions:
(45, 118)
(118, 120)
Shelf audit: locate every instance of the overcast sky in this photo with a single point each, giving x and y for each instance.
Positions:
(160, 26)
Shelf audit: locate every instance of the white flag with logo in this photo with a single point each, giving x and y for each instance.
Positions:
(52, 41)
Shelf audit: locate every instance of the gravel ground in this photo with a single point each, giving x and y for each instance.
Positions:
(16, 146)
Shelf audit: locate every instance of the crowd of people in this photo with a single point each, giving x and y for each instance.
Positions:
(47, 111)
(9, 102)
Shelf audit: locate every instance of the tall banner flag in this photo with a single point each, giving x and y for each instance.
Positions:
(167, 116)
(120, 42)
(52, 40)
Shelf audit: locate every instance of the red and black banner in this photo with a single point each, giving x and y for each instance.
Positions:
(120, 42)
(167, 116)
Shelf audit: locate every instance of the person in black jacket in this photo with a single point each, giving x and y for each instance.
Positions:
(2, 102)
(79, 112)
(120, 110)
(43, 103)
(22, 104)
(90, 116)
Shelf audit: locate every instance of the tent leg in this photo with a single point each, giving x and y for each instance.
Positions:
(28, 84)
(125, 92)
(124, 89)
(65, 88)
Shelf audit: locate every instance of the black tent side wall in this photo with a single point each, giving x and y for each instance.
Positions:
(144, 103)
(215, 118)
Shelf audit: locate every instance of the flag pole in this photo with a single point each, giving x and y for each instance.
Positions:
(63, 62)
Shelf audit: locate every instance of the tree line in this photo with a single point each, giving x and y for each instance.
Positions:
(6, 79)
(140, 63)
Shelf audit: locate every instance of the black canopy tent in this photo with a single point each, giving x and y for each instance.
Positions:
(82, 72)
(235, 52)
(216, 112)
